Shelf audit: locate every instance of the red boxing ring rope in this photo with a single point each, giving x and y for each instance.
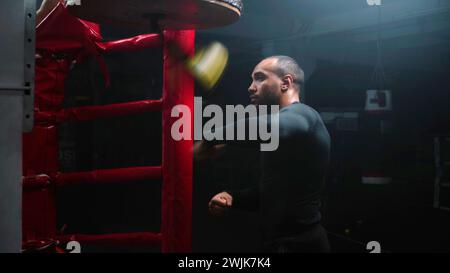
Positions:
(98, 112)
(109, 176)
(122, 175)
(135, 239)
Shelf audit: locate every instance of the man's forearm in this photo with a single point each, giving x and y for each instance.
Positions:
(236, 133)
(246, 199)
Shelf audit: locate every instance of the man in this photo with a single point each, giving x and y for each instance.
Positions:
(292, 177)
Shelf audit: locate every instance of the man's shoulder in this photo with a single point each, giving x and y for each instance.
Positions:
(301, 112)
(298, 118)
(307, 110)
(301, 122)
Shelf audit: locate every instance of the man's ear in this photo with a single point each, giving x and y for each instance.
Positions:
(288, 80)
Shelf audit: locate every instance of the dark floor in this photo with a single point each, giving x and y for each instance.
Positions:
(399, 216)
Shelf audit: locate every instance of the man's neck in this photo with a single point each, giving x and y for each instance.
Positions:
(288, 101)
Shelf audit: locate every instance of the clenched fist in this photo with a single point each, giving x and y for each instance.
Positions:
(220, 203)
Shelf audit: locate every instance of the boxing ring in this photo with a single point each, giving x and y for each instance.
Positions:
(41, 175)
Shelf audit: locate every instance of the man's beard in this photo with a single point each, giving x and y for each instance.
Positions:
(268, 97)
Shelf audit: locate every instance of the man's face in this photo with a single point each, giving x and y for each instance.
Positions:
(266, 85)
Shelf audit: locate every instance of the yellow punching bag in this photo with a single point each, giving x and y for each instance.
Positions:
(208, 64)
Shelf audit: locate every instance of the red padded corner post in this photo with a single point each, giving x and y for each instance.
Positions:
(177, 159)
